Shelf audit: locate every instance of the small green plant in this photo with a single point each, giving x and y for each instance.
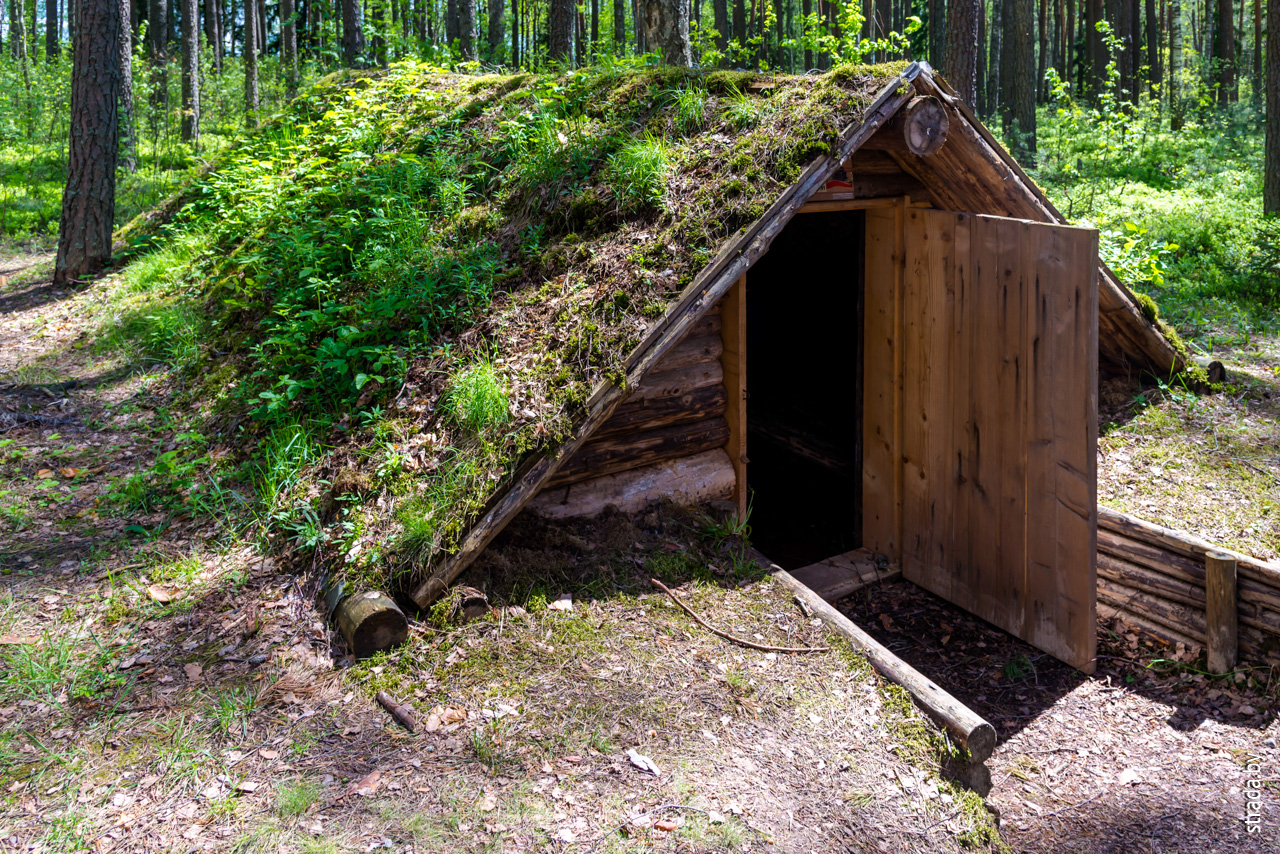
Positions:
(1018, 668)
(639, 172)
(296, 797)
(487, 744)
(691, 109)
(742, 111)
(477, 399)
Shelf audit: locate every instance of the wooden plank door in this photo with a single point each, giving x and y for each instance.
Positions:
(999, 423)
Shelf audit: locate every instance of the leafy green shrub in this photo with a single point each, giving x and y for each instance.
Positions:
(639, 173)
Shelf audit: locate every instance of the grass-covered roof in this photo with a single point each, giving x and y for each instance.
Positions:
(429, 273)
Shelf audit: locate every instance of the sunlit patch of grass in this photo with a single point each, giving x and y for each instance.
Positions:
(639, 172)
(477, 398)
(297, 796)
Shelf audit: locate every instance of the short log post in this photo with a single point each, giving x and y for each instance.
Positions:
(370, 621)
(1221, 626)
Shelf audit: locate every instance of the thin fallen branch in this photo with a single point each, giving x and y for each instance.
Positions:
(402, 712)
(729, 637)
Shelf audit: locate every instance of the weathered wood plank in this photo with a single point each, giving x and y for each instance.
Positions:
(733, 359)
(881, 504)
(844, 574)
(682, 381)
(695, 479)
(632, 450)
(653, 412)
(693, 350)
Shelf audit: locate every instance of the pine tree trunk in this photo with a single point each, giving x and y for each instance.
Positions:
(995, 56)
(515, 33)
(213, 32)
(1020, 111)
(1271, 183)
(289, 47)
(352, 33)
(1155, 74)
(1097, 53)
(190, 70)
(51, 42)
(560, 31)
(595, 25)
(496, 28)
(128, 137)
(251, 64)
(1042, 60)
(666, 31)
(620, 25)
(1258, 81)
(467, 28)
(939, 28)
(1224, 50)
(740, 22)
(961, 64)
(980, 82)
(89, 199)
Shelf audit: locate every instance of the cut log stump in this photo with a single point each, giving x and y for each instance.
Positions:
(370, 622)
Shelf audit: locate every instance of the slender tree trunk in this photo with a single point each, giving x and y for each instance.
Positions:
(620, 26)
(251, 103)
(89, 199)
(740, 21)
(1154, 71)
(1020, 111)
(961, 63)
(595, 25)
(938, 29)
(352, 34)
(1042, 59)
(560, 31)
(52, 45)
(451, 21)
(1225, 49)
(467, 28)
(190, 71)
(496, 28)
(378, 43)
(515, 33)
(579, 38)
(213, 33)
(289, 47)
(980, 81)
(1175, 65)
(1097, 53)
(128, 138)
(1258, 81)
(995, 61)
(1271, 182)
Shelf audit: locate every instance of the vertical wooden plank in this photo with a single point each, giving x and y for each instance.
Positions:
(1006, 586)
(1060, 599)
(733, 360)
(928, 486)
(881, 357)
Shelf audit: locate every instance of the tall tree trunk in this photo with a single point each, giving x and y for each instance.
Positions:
(515, 33)
(1155, 74)
(1042, 60)
(451, 21)
(961, 63)
(251, 103)
(560, 31)
(157, 11)
(1175, 65)
(352, 33)
(980, 78)
(1019, 113)
(996, 55)
(595, 25)
(1271, 182)
(289, 47)
(939, 28)
(378, 42)
(579, 38)
(467, 29)
(1225, 50)
(89, 199)
(1097, 48)
(190, 70)
(128, 138)
(52, 45)
(620, 26)
(1258, 82)
(213, 32)
(496, 28)
(740, 22)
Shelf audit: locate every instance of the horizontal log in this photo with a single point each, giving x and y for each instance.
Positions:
(865, 161)
(653, 412)
(971, 731)
(641, 449)
(1182, 618)
(693, 350)
(1109, 612)
(704, 477)
(1265, 573)
(371, 622)
(678, 382)
(1150, 581)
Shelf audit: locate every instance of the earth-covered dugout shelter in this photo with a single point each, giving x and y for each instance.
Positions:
(834, 296)
(901, 354)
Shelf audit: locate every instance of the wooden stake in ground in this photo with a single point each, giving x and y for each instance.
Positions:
(1221, 621)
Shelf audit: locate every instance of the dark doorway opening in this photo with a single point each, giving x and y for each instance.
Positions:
(804, 389)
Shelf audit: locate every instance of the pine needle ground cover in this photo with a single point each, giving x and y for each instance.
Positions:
(411, 281)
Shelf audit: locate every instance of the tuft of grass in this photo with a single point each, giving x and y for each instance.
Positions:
(691, 110)
(295, 798)
(742, 111)
(639, 173)
(477, 399)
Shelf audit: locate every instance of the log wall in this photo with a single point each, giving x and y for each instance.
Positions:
(664, 434)
(1154, 577)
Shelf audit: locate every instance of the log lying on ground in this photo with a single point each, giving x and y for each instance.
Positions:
(370, 622)
(972, 732)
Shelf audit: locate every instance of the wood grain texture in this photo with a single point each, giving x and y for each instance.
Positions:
(733, 360)
(1222, 630)
(633, 450)
(685, 480)
(882, 382)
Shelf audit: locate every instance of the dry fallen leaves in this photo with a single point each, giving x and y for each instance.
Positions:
(644, 763)
(193, 671)
(162, 593)
(367, 785)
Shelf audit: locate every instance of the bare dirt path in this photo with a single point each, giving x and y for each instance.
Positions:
(1145, 755)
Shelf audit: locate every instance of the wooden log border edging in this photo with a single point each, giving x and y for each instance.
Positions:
(972, 732)
(1155, 578)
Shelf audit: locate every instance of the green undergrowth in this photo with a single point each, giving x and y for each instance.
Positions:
(430, 273)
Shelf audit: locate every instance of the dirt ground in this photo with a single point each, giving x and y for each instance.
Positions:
(167, 687)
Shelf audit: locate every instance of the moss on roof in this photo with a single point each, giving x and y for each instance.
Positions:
(430, 272)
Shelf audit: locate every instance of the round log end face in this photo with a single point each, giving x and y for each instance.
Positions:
(371, 622)
(926, 125)
(380, 631)
(981, 742)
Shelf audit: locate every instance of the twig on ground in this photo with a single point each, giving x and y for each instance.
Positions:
(1073, 806)
(729, 637)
